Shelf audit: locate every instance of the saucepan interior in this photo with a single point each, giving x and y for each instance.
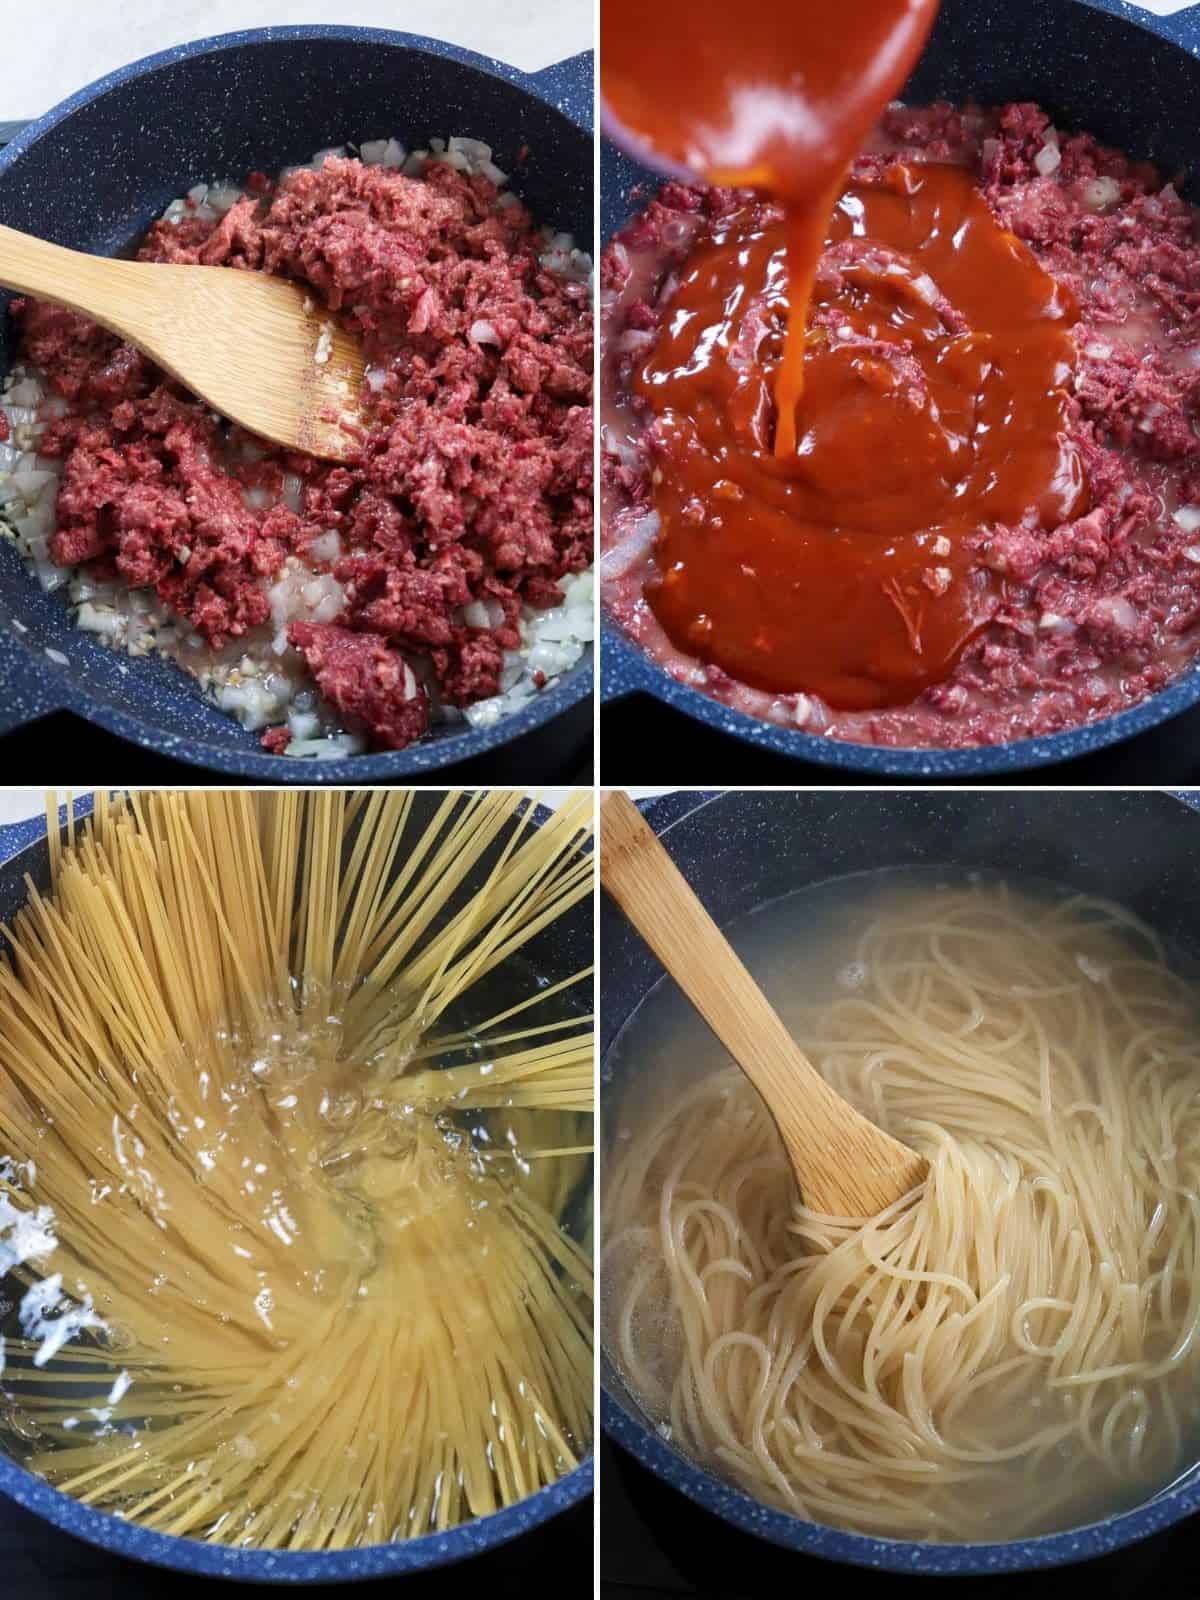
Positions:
(742, 850)
(95, 172)
(554, 955)
(1091, 70)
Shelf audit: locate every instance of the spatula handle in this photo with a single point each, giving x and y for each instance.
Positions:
(658, 900)
(841, 1159)
(93, 284)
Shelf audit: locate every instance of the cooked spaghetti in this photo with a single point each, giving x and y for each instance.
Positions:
(294, 1134)
(1011, 1349)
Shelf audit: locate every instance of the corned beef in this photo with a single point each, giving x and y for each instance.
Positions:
(471, 489)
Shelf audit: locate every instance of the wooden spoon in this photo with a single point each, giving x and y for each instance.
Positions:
(255, 348)
(845, 1166)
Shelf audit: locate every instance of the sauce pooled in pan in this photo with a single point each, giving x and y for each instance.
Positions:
(840, 403)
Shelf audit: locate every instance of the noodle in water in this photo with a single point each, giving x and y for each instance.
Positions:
(1011, 1350)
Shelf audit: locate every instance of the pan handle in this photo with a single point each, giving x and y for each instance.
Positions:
(624, 669)
(26, 693)
(1177, 20)
(27, 686)
(570, 85)
(15, 836)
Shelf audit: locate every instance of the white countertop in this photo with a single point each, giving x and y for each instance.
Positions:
(60, 48)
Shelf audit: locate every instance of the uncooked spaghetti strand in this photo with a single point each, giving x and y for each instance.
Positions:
(508, 935)
(480, 1030)
(370, 869)
(261, 1311)
(470, 832)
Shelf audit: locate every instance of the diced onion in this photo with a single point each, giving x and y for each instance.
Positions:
(1116, 609)
(1051, 622)
(634, 547)
(1100, 192)
(330, 749)
(304, 724)
(474, 149)
(328, 547)
(1048, 159)
(224, 198)
(634, 340)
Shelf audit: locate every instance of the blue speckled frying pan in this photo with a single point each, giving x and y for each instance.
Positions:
(94, 172)
(565, 949)
(740, 850)
(1120, 70)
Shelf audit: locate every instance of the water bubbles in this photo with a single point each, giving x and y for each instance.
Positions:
(22, 1426)
(339, 1109)
(120, 1388)
(853, 975)
(264, 1304)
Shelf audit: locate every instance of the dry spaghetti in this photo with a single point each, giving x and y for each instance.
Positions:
(1008, 1351)
(306, 1127)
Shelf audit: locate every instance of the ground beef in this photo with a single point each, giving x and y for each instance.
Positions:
(1098, 612)
(366, 680)
(473, 483)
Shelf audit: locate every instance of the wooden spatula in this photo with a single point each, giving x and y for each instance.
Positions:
(845, 1166)
(255, 348)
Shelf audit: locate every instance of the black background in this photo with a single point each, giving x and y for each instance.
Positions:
(644, 741)
(37, 1562)
(63, 749)
(655, 1543)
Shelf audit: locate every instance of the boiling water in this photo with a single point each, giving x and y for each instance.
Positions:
(805, 951)
(306, 1173)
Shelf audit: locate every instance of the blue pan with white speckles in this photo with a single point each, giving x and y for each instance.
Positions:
(23, 850)
(94, 172)
(742, 849)
(1111, 67)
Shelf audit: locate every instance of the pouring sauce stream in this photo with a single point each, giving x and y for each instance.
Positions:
(854, 377)
(777, 99)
